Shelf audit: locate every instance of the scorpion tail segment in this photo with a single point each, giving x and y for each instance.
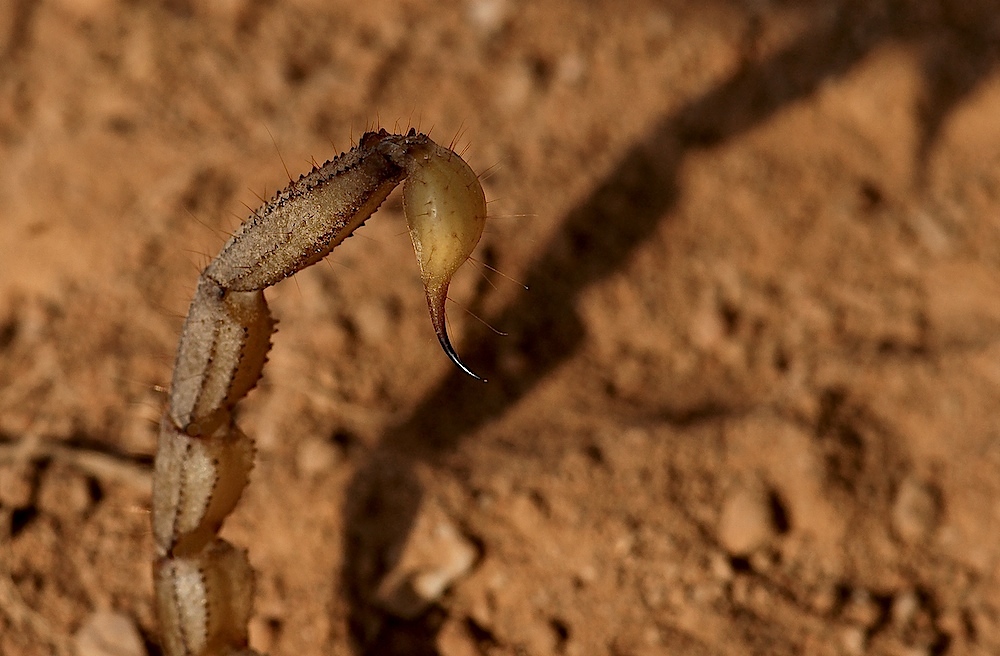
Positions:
(197, 484)
(221, 355)
(204, 586)
(205, 601)
(445, 211)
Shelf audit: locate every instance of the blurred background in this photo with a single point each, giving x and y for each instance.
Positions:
(746, 406)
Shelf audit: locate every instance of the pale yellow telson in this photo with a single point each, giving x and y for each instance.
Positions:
(203, 584)
(446, 211)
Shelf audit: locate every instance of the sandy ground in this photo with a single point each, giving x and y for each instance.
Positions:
(747, 406)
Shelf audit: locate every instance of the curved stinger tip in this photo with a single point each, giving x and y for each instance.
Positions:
(453, 355)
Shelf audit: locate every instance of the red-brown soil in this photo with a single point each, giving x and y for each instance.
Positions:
(747, 406)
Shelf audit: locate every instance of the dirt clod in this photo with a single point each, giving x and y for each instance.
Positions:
(107, 633)
(915, 511)
(747, 520)
(435, 556)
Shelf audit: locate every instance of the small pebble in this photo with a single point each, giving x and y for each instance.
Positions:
(720, 567)
(488, 16)
(106, 633)
(915, 511)
(904, 609)
(435, 556)
(315, 456)
(747, 521)
(586, 575)
(853, 640)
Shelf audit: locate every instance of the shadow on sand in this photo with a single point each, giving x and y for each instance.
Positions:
(957, 47)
